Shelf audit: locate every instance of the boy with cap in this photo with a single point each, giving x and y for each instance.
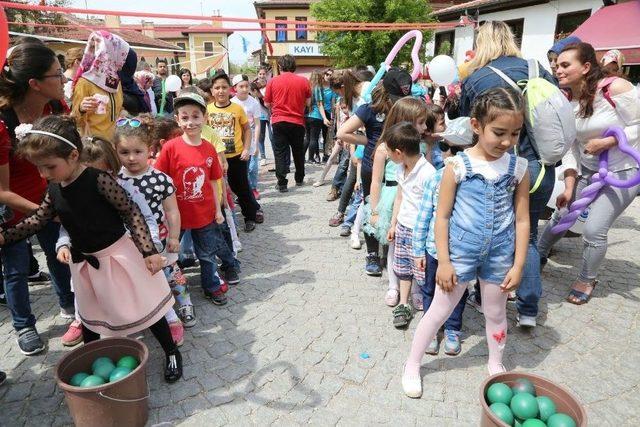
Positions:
(192, 164)
(231, 122)
(253, 111)
(457, 136)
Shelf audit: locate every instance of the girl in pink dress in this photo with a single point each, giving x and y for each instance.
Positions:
(118, 282)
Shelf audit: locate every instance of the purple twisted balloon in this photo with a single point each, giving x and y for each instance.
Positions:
(599, 180)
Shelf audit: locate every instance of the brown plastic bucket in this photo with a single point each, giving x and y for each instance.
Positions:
(122, 403)
(565, 401)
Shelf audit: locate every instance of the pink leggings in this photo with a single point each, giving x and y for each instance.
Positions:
(494, 306)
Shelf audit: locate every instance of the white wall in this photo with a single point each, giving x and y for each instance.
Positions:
(539, 27)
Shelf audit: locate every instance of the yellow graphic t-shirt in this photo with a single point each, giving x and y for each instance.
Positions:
(210, 135)
(228, 121)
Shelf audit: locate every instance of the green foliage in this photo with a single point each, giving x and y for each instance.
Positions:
(244, 68)
(30, 16)
(445, 48)
(348, 48)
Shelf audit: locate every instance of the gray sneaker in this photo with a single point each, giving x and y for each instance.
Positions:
(452, 345)
(187, 315)
(433, 347)
(29, 341)
(402, 315)
(68, 313)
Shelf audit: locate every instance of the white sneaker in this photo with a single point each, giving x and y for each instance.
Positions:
(525, 321)
(68, 313)
(318, 183)
(355, 242)
(500, 369)
(412, 385)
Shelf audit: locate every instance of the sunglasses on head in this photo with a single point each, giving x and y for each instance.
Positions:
(134, 123)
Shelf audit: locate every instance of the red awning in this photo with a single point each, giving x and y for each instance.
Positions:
(614, 27)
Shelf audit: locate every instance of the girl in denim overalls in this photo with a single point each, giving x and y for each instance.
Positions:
(482, 228)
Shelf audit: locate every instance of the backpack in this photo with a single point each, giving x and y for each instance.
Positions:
(604, 86)
(549, 117)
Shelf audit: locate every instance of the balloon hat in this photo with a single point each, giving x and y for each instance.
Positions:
(599, 180)
(384, 66)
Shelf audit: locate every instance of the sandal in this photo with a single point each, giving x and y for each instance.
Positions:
(580, 298)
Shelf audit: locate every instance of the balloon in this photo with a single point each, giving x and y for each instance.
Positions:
(442, 70)
(599, 180)
(173, 83)
(391, 56)
(4, 36)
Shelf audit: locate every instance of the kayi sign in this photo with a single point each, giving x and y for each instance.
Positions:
(305, 49)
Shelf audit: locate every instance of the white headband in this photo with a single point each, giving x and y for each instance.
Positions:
(58, 137)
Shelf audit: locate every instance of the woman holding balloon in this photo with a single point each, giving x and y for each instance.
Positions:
(496, 47)
(599, 103)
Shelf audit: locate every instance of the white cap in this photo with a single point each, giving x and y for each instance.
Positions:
(458, 132)
(238, 78)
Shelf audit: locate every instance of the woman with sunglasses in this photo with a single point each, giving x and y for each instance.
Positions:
(31, 86)
(97, 92)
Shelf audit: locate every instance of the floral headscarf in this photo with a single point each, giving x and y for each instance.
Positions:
(613, 55)
(103, 57)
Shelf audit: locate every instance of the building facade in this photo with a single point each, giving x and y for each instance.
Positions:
(292, 39)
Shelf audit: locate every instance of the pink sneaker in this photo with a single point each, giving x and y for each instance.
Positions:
(256, 194)
(73, 336)
(177, 332)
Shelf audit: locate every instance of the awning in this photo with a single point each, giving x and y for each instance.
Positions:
(614, 27)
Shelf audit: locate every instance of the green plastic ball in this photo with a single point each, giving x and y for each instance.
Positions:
(499, 393)
(503, 412)
(100, 361)
(524, 406)
(77, 379)
(560, 420)
(523, 385)
(533, 422)
(546, 407)
(119, 373)
(104, 370)
(128, 362)
(92, 381)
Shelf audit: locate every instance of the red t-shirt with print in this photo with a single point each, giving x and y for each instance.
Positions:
(192, 168)
(24, 178)
(287, 93)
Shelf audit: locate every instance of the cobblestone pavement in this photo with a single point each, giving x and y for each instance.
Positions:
(287, 348)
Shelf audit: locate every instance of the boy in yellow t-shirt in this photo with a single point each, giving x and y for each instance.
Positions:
(233, 128)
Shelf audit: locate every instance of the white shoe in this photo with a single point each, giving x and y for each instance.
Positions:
(412, 385)
(355, 242)
(500, 369)
(525, 321)
(263, 162)
(318, 183)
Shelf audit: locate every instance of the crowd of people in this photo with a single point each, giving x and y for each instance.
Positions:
(447, 187)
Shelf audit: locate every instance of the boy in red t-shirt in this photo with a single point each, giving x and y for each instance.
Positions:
(193, 165)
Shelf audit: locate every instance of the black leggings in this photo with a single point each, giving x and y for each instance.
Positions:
(370, 240)
(347, 188)
(160, 330)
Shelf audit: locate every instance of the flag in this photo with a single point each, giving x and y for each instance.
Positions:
(269, 46)
(245, 44)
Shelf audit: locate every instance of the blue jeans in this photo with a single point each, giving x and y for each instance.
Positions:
(352, 210)
(208, 243)
(343, 167)
(253, 172)
(265, 126)
(16, 262)
(186, 247)
(530, 288)
(454, 322)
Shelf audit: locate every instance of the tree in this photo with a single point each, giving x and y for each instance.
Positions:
(348, 48)
(35, 16)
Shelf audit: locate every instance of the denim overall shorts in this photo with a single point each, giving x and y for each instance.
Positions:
(482, 225)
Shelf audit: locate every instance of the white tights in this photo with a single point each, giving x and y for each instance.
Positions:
(494, 306)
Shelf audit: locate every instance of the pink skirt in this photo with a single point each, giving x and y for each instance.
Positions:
(121, 297)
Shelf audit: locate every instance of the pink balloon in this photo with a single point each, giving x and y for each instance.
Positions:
(414, 52)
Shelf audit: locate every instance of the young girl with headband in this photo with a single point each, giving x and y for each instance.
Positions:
(120, 288)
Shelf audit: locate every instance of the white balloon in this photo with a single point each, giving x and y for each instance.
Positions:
(173, 83)
(442, 70)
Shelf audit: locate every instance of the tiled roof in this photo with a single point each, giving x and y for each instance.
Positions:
(468, 5)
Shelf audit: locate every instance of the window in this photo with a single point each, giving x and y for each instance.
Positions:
(183, 47)
(301, 29)
(517, 26)
(444, 43)
(567, 23)
(208, 48)
(281, 29)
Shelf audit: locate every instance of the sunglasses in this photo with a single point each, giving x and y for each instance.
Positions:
(134, 123)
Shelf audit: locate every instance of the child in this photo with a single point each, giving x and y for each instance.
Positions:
(164, 129)
(403, 147)
(116, 294)
(457, 136)
(192, 164)
(252, 110)
(435, 124)
(233, 126)
(342, 113)
(482, 219)
(384, 188)
(355, 213)
(133, 141)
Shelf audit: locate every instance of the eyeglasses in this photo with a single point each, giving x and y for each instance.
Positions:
(134, 123)
(59, 75)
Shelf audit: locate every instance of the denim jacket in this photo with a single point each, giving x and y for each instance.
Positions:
(484, 78)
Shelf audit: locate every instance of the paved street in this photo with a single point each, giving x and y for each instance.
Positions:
(288, 347)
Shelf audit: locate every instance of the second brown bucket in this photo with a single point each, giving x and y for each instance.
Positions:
(121, 403)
